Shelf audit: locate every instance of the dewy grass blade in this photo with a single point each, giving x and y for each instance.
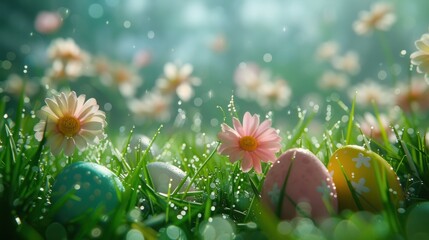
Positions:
(283, 188)
(200, 168)
(3, 115)
(127, 143)
(10, 153)
(351, 120)
(350, 186)
(299, 129)
(386, 199)
(410, 161)
(381, 126)
(19, 113)
(167, 208)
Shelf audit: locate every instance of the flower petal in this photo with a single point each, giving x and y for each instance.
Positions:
(246, 163)
(250, 124)
(170, 70)
(185, 71)
(69, 147)
(53, 106)
(92, 126)
(257, 165)
(80, 142)
(238, 127)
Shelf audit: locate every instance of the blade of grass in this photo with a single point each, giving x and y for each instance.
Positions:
(350, 186)
(299, 129)
(350, 123)
(19, 112)
(381, 126)
(200, 168)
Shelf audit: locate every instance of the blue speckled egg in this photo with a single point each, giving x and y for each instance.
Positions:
(83, 187)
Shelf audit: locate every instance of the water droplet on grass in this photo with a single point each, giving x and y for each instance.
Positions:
(134, 234)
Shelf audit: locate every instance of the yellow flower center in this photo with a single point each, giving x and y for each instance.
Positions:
(68, 125)
(248, 143)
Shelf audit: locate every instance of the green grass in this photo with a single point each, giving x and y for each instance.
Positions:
(227, 201)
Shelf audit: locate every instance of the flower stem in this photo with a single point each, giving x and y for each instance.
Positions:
(387, 54)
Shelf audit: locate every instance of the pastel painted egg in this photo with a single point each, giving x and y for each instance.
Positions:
(162, 173)
(84, 187)
(140, 142)
(299, 182)
(144, 142)
(368, 175)
(416, 226)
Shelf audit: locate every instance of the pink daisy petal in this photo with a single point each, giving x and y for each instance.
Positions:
(251, 142)
(265, 125)
(246, 163)
(238, 127)
(257, 165)
(250, 124)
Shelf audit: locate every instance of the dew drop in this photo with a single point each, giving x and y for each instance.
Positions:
(127, 24)
(267, 57)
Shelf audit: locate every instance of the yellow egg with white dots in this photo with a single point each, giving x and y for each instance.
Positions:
(364, 180)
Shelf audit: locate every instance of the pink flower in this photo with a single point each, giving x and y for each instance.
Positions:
(250, 142)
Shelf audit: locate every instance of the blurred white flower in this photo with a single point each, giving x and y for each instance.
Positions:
(68, 60)
(370, 91)
(348, 63)
(333, 80)
(255, 84)
(177, 79)
(413, 96)
(153, 105)
(420, 58)
(327, 50)
(274, 94)
(371, 128)
(125, 78)
(14, 85)
(380, 17)
(248, 78)
(47, 22)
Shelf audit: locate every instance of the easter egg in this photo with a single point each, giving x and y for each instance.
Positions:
(368, 175)
(416, 226)
(162, 174)
(84, 187)
(299, 184)
(144, 142)
(140, 142)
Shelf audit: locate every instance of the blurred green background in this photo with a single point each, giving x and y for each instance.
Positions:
(215, 37)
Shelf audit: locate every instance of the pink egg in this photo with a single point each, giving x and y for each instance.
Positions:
(298, 184)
